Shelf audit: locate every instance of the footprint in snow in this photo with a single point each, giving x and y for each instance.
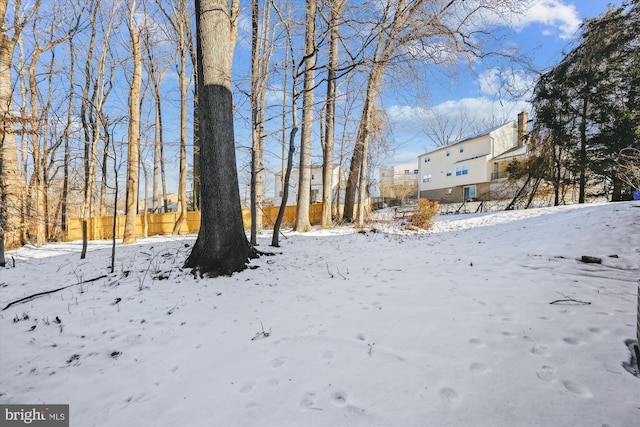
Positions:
(540, 350)
(546, 373)
(339, 398)
(449, 396)
(571, 340)
(278, 361)
(480, 368)
(247, 388)
(307, 400)
(476, 342)
(577, 389)
(327, 355)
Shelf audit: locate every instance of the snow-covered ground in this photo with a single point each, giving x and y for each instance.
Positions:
(452, 327)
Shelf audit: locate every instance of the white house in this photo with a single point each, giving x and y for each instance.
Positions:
(399, 181)
(473, 167)
(316, 185)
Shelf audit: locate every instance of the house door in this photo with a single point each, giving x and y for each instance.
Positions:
(469, 192)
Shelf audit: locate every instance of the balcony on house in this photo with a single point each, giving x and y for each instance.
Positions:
(499, 175)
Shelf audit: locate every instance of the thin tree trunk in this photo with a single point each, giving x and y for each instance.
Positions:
(67, 150)
(583, 149)
(105, 162)
(256, 137)
(336, 7)
(181, 17)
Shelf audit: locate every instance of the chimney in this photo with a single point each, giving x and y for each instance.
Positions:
(523, 128)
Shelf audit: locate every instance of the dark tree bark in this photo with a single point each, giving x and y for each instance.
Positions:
(221, 247)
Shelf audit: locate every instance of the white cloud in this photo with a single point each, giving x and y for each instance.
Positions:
(552, 13)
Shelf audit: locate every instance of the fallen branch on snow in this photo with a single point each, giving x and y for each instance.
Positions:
(39, 294)
(569, 299)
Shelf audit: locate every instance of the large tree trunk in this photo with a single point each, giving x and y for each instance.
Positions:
(133, 167)
(221, 247)
(11, 184)
(304, 181)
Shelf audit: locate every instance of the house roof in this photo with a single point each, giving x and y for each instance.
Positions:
(512, 152)
(469, 138)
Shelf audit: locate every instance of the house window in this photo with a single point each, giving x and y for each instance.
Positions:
(415, 171)
(462, 170)
(448, 173)
(448, 153)
(426, 178)
(462, 148)
(427, 159)
(470, 192)
(406, 171)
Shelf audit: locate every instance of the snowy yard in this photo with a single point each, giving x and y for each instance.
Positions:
(452, 327)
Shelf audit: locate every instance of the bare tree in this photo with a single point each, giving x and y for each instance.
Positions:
(96, 90)
(156, 71)
(261, 52)
(289, 64)
(39, 143)
(11, 184)
(304, 181)
(628, 165)
(335, 13)
(444, 128)
(437, 31)
(66, 137)
(178, 18)
(221, 247)
(133, 139)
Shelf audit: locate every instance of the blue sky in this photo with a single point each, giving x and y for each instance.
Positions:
(547, 29)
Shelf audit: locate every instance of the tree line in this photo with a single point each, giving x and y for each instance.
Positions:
(86, 88)
(587, 109)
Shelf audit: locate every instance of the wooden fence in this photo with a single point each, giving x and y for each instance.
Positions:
(99, 228)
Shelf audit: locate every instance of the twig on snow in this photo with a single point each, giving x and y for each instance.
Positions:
(329, 271)
(569, 299)
(261, 334)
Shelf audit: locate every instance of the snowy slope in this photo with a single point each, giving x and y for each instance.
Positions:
(451, 327)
